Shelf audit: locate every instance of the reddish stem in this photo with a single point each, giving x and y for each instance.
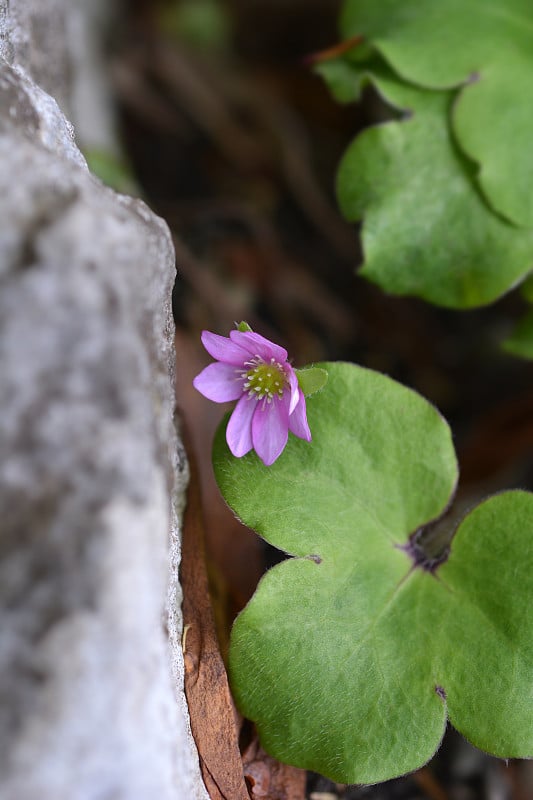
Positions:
(333, 52)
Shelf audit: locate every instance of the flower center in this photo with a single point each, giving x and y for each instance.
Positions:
(264, 380)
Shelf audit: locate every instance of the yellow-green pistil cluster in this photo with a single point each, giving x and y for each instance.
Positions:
(264, 380)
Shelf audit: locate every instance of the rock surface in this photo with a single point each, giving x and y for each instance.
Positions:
(91, 674)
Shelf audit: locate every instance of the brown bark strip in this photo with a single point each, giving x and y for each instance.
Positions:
(269, 779)
(211, 707)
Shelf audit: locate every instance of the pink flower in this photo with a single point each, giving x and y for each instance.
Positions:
(254, 371)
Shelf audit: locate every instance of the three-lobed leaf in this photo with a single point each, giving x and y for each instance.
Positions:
(444, 191)
(426, 230)
(348, 658)
(486, 48)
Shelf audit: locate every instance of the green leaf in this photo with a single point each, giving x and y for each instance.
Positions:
(348, 659)
(426, 231)
(345, 81)
(244, 327)
(311, 379)
(520, 343)
(484, 45)
(346, 75)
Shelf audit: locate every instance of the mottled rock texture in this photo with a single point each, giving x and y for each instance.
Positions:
(91, 474)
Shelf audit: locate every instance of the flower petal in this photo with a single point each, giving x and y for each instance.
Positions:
(257, 345)
(239, 430)
(270, 428)
(223, 349)
(298, 419)
(219, 382)
(295, 388)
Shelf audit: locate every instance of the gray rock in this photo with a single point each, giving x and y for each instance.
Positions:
(38, 43)
(91, 474)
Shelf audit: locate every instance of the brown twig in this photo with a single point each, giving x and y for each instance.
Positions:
(334, 51)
